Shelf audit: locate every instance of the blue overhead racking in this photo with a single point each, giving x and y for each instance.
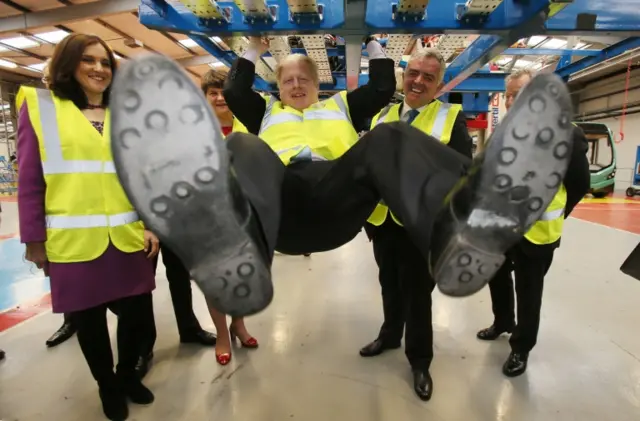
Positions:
(219, 28)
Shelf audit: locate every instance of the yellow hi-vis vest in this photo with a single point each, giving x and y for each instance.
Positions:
(85, 205)
(437, 120)
(548, 229)
(238, 126)
(322, 132)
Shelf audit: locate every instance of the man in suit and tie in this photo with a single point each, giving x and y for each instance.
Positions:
(403, 272)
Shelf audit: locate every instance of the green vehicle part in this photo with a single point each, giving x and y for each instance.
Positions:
(602, 158)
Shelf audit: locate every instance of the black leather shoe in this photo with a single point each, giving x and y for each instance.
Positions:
(114, 403)
(507, 189)
(422, 384)
(143, 365)
(135, 390)
(376, 347)
(66, 331)
(516, 364)
(492, 333)
(201, 337)
(178, 188)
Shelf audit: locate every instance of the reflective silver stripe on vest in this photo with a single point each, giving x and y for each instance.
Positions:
(282, 151)
(267, 113)
(283, 117)
(441, 120)
(270, 119)
(552, 215)
(55, 163)
(325, 115)
(383, 114)
(343, 107)
(85, 167)
(91, 221)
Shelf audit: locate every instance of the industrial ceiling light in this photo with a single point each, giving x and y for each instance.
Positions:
(20, 42)
(189, 43)
(554, 43)
(8, 64)
(38, 66)
(52, 37)
(535, 40)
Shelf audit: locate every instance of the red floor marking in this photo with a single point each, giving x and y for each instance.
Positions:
(615, 215)
(23, 312)
(8, 198)
(7, 236)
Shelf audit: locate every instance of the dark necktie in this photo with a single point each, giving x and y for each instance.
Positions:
(411, 115)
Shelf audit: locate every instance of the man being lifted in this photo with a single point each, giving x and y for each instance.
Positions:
(307, 184)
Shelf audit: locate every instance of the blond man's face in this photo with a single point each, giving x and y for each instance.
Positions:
(298, 89)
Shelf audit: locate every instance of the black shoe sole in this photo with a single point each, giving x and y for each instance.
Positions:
(521, 171)
(169, 153)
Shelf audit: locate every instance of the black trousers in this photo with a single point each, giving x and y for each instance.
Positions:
(318, 206)
(181, 294)
(406, 292)
(134, 315)
(530, 264)
(181, 298)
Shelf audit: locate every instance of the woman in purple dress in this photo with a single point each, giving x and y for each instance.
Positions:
(76, 221)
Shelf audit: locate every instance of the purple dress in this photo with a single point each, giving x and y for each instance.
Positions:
(74, 286)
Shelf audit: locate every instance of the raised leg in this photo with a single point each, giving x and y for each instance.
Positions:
(508, 188)
(172, 161)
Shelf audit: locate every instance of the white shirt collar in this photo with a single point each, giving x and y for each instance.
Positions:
(405, 109)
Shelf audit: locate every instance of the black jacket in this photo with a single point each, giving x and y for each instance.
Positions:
(577, 180)
(248, 106)
(460, 139)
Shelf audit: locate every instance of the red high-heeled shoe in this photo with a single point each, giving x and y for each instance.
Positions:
(249, 343)
(223, 359)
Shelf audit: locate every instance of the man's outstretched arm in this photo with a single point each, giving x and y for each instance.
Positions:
(367, 101)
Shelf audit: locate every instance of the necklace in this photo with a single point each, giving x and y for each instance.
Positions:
(94, 107)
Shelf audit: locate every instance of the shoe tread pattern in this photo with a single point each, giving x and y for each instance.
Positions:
(522, 168)
(170, 156)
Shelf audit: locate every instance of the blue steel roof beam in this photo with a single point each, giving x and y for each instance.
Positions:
(476, 10)
(489, 82)
(592, 17)
(487, 47)
(606, 54)
(509, 52)
(442, 18)
(208, 10)
(615, 17)
(159, 14)
(548, 52)
(166, 11)
(409, 10)
(257, 10)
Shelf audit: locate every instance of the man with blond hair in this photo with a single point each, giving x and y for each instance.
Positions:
(531, 258)
(404, 276)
